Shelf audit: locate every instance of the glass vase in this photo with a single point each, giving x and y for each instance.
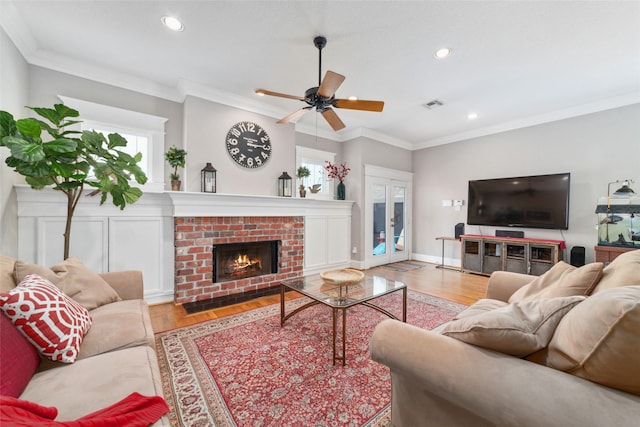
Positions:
(341, 191)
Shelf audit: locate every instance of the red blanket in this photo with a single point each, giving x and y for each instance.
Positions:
(133, 410)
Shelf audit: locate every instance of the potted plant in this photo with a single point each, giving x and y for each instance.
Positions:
(302, 173)
(70, 159)
(176, 157)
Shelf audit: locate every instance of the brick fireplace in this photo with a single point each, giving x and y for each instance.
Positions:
(196, 236)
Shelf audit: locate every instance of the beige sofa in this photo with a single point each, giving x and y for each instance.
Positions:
(116, 356)
(438, 380)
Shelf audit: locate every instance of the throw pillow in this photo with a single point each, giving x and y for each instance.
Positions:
(562, 280)
(623, 271)
(18, 359)
(52, 322)
(6, 273)
(518, 329)
(599, 340)
(74, 279)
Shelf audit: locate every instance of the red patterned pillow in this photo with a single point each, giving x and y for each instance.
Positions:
(51, 321)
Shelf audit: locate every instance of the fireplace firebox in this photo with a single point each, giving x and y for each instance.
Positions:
(235, 261)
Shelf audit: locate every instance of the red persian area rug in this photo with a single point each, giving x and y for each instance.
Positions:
(247, 370)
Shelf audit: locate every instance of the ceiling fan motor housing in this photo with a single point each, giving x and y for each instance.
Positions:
(320, 103)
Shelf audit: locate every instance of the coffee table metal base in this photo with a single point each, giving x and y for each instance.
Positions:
(335, 312)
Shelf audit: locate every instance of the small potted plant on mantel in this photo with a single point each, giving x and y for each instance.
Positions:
(302, 173)
(176, 157)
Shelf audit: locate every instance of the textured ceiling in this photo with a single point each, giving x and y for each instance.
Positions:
(514, 63)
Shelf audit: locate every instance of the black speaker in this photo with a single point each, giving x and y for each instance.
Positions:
(577, 256)
(509, 233)
(459, 229)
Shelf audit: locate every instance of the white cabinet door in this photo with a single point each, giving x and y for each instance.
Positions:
(136, 244)
(327, 240)
(88, 242)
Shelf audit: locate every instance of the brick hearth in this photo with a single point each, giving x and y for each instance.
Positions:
(194, 240)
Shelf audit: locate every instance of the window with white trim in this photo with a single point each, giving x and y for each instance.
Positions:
(144, 134)
(315, 161)
(137, 142)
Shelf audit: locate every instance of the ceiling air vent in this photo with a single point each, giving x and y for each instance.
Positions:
(432, 104)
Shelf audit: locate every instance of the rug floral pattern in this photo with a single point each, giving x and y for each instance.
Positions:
(247, 370)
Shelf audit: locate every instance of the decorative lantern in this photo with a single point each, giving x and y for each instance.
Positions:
(208, 179)
(285, 185)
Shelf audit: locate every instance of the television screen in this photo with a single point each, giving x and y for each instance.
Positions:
(540, 201)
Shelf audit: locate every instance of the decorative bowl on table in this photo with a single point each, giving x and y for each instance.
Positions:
(342, 277)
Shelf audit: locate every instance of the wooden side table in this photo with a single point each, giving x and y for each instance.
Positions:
(609, 253)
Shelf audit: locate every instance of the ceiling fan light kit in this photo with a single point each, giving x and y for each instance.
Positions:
(322, 97)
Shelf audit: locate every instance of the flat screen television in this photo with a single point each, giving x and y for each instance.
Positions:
(540, 201)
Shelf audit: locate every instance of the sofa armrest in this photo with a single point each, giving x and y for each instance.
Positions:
(502, 284)
(435, 374)
(127, 283)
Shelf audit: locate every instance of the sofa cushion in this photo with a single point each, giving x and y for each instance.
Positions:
(518, 329)
(74, 279)
(7, 282)
(562, 280)
(96, 382)
(115, 326)
(122, 324)
(623, 271)
(18, 359)
(51, 321)
(599, 340)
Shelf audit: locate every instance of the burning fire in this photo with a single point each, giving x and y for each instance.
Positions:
(243, 261)
(242, 264)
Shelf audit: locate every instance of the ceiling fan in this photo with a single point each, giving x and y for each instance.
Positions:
(322, 97)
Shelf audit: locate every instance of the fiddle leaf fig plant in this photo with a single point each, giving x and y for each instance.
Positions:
(48, 152)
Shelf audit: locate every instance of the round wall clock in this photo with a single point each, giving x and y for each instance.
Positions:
(248, 144)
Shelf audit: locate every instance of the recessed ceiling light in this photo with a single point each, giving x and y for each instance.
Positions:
(353, 98)
(472, 116)
(172, 23)
(442, 53)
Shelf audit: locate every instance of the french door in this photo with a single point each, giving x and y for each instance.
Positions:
(387, 223)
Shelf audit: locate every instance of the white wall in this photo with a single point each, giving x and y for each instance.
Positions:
(14, 75)
(596, 149)
(206, 125)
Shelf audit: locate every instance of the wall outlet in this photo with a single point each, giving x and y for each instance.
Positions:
(458, 202)
(354, 250)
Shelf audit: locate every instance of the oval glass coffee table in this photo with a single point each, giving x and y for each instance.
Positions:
(340, 299)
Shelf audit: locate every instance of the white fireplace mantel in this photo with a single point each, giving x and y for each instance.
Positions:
(215, 204)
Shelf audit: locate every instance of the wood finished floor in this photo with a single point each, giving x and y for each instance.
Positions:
(448, 284)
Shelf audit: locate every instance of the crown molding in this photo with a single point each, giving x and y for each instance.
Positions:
(14, 26)
(567, 113)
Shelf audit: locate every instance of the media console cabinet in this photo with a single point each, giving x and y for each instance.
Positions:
(486, 254)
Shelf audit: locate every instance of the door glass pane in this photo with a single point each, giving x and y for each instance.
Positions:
(399, 197)
(379, 219)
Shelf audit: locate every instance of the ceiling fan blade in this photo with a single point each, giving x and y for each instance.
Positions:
(359, 105)
(330, 84)
(281, 95)
(332, 118)
(293, 116)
